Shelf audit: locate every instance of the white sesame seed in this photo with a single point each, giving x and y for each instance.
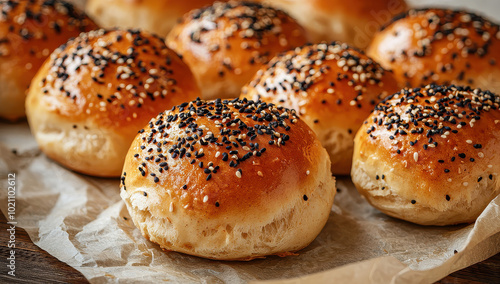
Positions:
(465, 183)
(259, 173)
(449, 179)
(480, 155)
(469, 141)
(205, 199)
(217, 154)
(308, 172)
(415, 156)
(490, 166)
(238, 174)
(171, 207)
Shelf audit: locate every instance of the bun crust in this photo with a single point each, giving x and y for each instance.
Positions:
(440, 46)
(352, 22)
(332, 87)
(430, 156)
(29, 32)
(103, 86)
(232, 180)
(155, 16)
(226, 43)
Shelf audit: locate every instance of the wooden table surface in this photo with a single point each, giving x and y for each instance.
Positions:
(34, 265)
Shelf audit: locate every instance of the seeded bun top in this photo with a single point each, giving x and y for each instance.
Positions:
(230, 150)
(440, 46)
(29, 32)
(329, 85)
(118, 79)
(226, 43)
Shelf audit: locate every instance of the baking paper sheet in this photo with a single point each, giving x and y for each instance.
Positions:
(82, 221)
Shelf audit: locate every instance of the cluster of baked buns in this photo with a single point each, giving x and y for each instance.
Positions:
(227, 127)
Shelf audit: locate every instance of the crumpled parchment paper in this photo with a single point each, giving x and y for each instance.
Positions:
(82, 221)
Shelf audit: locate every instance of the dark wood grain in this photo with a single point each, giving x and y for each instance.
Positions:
(34, 265)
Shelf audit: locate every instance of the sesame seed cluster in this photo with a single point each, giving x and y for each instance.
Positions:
(29, 19)
(127, 78)
(250, 22)
(469, 36)
(298, 71)
(432, 126)
(231, 136)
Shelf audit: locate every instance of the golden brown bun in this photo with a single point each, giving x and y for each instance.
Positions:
(29, 32)
(226, 43)
(155, 16)
(232, 180)
(353, 22)
(440, 46)
(333, 88)
(90, 98)
(430, 156)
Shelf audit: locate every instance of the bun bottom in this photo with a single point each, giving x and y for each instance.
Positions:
(383, 195)
(82, 147)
